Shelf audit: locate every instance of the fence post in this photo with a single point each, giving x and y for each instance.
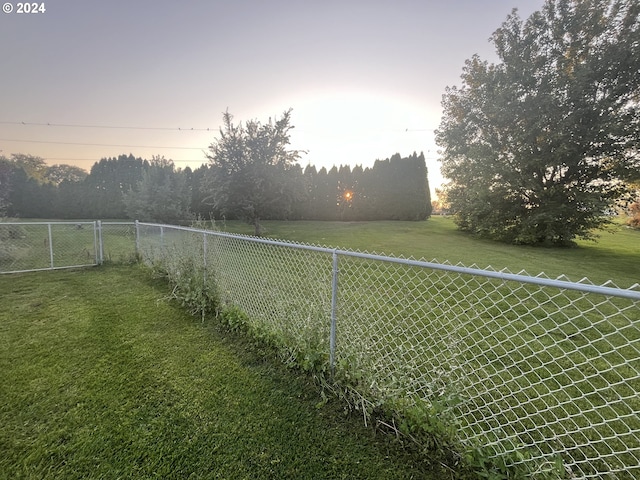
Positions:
(204, 259)
(137, 238)
(100, 242)
(96, 248)
(334, 304)
(50, 244)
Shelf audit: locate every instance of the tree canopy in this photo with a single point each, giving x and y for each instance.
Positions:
(538, 147)
(5, 178)
(250, 169)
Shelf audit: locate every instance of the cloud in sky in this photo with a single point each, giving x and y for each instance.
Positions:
(364, 78)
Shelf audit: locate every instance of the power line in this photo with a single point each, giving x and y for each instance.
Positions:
(69, 125)
(202, 160)
(177, 129)
(98, 144)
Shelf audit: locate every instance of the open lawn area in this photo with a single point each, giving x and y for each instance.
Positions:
(102, 377)
(615, 256)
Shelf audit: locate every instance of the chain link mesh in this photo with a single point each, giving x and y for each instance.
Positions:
(118, 242)
(519, 366)
(538, 368)
(37, 246)
(285, 292)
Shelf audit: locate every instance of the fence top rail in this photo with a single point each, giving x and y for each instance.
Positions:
(504, 276)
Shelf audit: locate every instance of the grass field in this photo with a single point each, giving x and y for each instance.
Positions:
(615, 257)
(102, 378)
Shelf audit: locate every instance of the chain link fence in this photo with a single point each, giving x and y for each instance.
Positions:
(117, 242)
(29, 246)
(33, 246)
(533, 369)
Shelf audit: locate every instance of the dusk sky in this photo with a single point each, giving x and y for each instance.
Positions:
(364, 78)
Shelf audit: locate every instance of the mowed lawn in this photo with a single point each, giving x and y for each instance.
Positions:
(102, 377)
(614, 257)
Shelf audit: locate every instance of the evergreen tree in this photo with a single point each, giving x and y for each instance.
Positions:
(108, 181)
(72, 197)
(5, 185)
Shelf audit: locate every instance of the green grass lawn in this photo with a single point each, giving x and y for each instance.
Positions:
(100, 377)
(615, 257)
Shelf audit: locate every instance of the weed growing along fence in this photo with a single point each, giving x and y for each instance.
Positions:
(532, 370)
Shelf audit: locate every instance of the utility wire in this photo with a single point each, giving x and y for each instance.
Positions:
(121, 127)
(177, 129)
(108, 126)
(201, 160)
(98, 144)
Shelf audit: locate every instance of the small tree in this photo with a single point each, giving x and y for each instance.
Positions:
(251, 166)
(538, 147)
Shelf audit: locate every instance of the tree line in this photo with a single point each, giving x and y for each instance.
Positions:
(396, 188)
(254, 175)
(156, 190)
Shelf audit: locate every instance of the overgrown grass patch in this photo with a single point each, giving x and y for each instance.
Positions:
(101, 378)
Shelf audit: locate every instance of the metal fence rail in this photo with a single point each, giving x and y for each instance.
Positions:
(541, 367)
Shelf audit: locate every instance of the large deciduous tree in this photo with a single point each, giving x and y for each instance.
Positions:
(251, 169)
(538, 146)
(35, 167)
